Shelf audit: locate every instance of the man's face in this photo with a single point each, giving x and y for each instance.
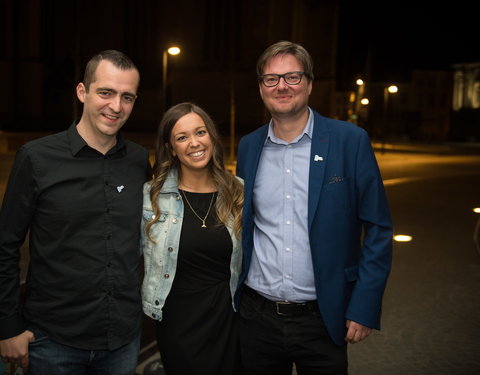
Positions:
(284, 100)
(109, 101)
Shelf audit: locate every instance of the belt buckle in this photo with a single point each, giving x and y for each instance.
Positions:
(277, 304)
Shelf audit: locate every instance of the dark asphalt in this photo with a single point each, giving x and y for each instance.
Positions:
(431, 310)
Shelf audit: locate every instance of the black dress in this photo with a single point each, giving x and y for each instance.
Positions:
(198, 333)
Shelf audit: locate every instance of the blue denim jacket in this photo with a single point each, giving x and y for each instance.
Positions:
(161, 257)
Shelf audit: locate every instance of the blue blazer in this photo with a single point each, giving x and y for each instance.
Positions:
(349, 222)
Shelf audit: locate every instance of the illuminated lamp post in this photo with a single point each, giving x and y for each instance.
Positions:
(360, 92)
(169, 51)
(392, 89)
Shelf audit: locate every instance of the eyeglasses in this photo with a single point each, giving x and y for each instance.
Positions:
(291, 78)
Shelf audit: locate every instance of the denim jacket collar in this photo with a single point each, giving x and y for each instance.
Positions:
(171, 182)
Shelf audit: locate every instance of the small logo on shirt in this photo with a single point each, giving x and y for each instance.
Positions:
(120, 188)
(317, 158)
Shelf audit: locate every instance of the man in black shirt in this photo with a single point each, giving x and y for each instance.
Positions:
(79, 192)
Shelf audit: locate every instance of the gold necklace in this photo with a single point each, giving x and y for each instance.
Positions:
(209, 208)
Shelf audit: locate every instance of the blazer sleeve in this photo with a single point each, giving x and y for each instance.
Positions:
(376, 252)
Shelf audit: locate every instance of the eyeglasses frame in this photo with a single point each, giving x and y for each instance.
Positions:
(261, 77)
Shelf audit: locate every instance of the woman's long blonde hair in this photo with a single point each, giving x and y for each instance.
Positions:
(230, 191)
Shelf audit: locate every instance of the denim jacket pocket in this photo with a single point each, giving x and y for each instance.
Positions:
(148, 215)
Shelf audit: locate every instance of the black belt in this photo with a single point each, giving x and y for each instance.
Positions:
(281, 307)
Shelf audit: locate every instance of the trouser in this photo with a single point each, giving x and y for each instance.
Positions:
(48, 357)
(275, 336)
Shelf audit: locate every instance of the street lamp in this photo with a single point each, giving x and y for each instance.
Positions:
(392, 89)
(169, 51)
(359, 97)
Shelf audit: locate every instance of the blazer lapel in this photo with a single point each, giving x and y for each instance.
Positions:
(318, 160)
(251, 164)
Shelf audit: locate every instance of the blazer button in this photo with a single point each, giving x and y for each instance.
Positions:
(157, 303)
(166, 276)
(170, 249)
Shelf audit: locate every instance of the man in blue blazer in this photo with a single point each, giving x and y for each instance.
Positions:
(316, 229)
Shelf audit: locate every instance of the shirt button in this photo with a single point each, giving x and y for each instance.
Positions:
(157, 303)
(170, 249)
(288, 222)
(106, 183)
(174, 220)
(288, 196)
(109, 237)
(287, 249)
(107, 210)
(166, 276)
(153, 217)
(288, 171)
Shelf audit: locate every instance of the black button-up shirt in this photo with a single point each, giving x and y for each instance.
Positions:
(83, 210)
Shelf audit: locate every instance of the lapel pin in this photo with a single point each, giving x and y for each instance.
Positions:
(317, 158)
(120, 188)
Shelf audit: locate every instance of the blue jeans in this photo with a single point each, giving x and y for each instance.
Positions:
(48, 357)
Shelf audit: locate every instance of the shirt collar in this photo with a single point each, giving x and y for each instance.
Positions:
(308, 130)
(77, 143)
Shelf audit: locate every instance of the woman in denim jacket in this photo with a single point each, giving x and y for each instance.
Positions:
(191, 243)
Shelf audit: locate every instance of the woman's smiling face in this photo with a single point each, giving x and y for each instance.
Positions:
(191, 143)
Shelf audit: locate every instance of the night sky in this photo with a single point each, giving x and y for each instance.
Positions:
(402, 37)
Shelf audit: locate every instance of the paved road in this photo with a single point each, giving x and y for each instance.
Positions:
(432, 301)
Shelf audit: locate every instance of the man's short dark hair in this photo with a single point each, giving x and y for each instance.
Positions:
(284, 47)
(117, 58)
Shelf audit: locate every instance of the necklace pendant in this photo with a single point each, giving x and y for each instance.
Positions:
(194, 212)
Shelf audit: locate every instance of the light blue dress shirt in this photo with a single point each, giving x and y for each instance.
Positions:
(281, 267)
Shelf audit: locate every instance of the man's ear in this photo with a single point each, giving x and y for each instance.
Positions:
(81, 92)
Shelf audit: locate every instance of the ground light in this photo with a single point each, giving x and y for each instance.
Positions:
(402, 238)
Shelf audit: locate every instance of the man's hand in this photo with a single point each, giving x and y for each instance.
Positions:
(356, 332)
(15, 349)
